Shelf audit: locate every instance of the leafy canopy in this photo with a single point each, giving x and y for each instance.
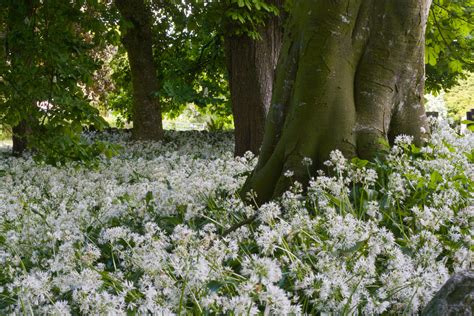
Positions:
(45, 73)
(449, 43)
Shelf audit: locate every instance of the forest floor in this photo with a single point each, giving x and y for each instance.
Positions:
(146, 231)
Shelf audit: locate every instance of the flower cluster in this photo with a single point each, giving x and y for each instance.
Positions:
(144, 232)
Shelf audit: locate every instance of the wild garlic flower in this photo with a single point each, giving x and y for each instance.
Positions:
(142, 233)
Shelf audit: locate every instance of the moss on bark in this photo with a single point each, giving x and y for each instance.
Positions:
(350, 73)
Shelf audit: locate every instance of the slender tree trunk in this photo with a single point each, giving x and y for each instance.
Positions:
(137, 40)
(350, 73)
(251, 65)
(20, 134)
(19, 57)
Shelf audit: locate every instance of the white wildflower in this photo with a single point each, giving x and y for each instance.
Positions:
(307, 161)
(268, 212)
(262, 270)
(288, 173)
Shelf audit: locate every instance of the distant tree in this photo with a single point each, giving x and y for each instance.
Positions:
(351, 73)
(17, 56)
(188, 52)
(137, 40)
(46, 67)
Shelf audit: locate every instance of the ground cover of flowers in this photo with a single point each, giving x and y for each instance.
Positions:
(143, 232)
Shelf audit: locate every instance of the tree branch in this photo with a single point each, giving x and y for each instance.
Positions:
(451, 13)
(240, 224)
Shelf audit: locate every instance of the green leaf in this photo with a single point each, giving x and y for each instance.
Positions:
(148, 197)
(214, 286)
(435, 178)
(359, 163)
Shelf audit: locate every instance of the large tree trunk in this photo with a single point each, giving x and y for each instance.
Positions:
(350, 73)
(251, 65)
(137, 40)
